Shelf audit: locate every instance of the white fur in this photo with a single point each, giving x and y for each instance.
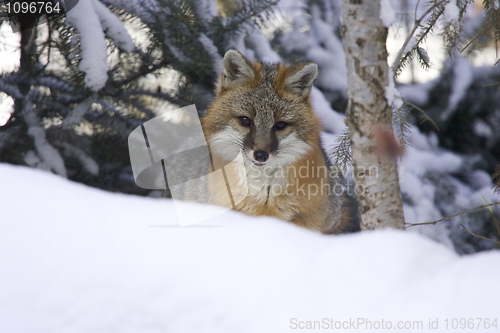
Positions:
(227, 143)
(290, 150)
(259, 179)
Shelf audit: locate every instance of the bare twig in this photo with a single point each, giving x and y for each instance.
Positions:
(449, 217)
(497, 225)
(423, 112)
(479, 34)
(416, 9)
(478, 236)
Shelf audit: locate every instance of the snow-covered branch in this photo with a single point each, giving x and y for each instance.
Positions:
(48, 154)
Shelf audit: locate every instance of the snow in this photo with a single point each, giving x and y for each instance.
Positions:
(87, 162)
(481, 128)
(417, 93)
(92, 42)
(462, 79)
(387, 14)
(331, 120)
(78, 259)
(391, 93)
(90, 17)
(206, 9)
(411, 44)
(262, 48)
(48, 157)
(75, 116)
(451, 13)
(212, 52)
(113, 27)
(315, 38)
(325, 45)
(420, 162)
(6, 108)
(425, 171)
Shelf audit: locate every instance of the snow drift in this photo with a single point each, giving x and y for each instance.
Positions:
(77, 259)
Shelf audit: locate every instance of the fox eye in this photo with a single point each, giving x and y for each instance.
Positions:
(280, 125)
(245, 121)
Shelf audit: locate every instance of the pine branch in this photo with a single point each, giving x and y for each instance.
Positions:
(491, 23)
(452, 30)
(397, 62)
(250, 11)
(159, 95)
(222, 31)
(10, 89)
(438, 8)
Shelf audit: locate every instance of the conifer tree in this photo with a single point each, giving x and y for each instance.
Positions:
(84, 84)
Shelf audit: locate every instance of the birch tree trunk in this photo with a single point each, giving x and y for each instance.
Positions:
(364, 37)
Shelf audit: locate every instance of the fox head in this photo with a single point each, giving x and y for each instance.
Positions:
(262, 110)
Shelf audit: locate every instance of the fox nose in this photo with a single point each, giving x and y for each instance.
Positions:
(261, 155)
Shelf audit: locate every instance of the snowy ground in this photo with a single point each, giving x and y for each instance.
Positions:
(77, 259)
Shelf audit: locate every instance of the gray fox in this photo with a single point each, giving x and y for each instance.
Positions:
(265, 112)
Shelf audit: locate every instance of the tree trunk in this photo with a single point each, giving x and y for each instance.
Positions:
(16, 125)
(377, 184)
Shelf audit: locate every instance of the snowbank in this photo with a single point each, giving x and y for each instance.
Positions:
(77, 259)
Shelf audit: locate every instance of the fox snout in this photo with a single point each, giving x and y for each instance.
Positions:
(260, 145)
(261, 156)
(258, 157)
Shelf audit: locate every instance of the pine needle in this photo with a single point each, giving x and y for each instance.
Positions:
(402, 126)
(342, 151)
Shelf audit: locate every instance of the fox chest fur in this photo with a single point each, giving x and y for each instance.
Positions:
(263, 113)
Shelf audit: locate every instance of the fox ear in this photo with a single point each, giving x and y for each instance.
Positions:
(236, 69)
(300, 82)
